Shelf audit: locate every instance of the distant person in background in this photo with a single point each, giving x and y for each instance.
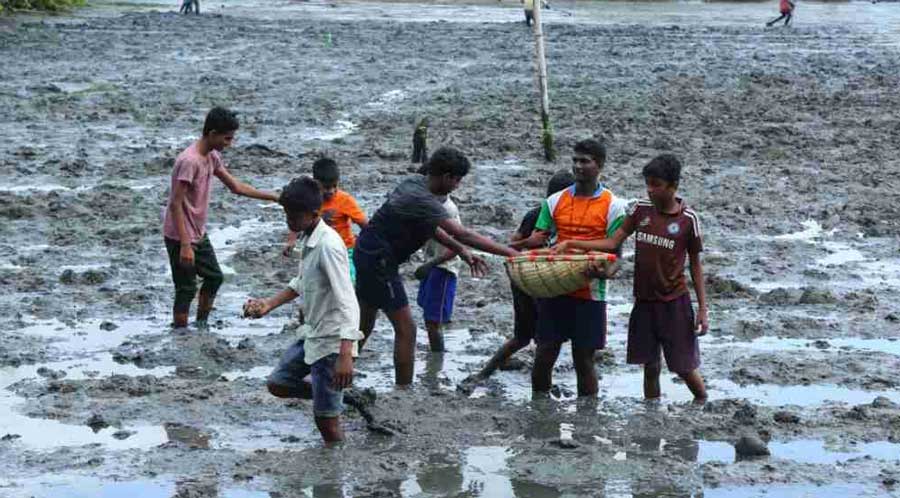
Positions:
(787, 12)
(187, 4)
(529, 9)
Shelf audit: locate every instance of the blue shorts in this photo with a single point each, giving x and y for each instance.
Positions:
(564, 318)
(378, 281)
(328, 402)
(436, 295)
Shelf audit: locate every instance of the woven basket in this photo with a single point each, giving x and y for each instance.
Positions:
(541, 274)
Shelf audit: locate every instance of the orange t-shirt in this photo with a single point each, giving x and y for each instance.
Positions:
(339, 211)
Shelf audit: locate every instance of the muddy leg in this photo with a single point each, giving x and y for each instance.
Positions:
(773, 21)
(544, 359)
(435, 337)
(651, 380)
(585, 371)
(179, 319)
(280, 391)
(330, 428)
(184, 279)
(505, 352)
(788, 18)
(207, 267)
(404, 345)
(695, 383)
(367, 316)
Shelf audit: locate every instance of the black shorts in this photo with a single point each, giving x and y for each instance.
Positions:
(378, 281)
(564, 318)
(525, 315)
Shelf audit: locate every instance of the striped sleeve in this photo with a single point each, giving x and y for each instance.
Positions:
(695, 239)
(618, 209)
(545, 222)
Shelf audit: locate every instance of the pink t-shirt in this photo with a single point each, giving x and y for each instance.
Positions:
(197, 171)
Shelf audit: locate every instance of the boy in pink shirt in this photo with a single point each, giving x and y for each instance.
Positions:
(184, 228)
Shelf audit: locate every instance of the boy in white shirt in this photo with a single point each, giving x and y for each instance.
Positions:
(327, 341)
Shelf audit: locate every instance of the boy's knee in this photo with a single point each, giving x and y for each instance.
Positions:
(184, 294)
(656, 366)
(213, 281)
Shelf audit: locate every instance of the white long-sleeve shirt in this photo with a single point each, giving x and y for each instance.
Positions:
(329, 304)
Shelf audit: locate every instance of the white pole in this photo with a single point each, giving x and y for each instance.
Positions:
(547, 133)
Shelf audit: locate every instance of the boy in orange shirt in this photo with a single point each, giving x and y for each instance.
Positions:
(338, 208)
(787, 12)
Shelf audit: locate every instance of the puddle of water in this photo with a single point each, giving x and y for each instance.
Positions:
(816, 451)
(87, 336)
(388, 98)
(81, 486)
(788, 491)
(340, 129)
(46, 433)
(253, 373)
(25, 189)
(630, 385)
(482, 475)
(841, 254)
(812, 230)
(888, 346)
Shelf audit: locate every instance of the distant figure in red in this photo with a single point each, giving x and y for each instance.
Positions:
(787, 9)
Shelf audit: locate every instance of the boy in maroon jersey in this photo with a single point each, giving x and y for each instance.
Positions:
(666, 231)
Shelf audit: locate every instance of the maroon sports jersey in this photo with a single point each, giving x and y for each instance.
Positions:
(662, 242)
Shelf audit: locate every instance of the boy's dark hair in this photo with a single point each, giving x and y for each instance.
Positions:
(221, 120)
(448, 160)
(666, 167)
(326, 170)
(593, 148)
(559, 181)
(302, 195)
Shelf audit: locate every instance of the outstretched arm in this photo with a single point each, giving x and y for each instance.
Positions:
(610, 244)
(257, 308)
(240, 188)
(472, 239)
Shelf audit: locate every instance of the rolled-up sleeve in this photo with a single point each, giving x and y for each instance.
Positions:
(336, 265)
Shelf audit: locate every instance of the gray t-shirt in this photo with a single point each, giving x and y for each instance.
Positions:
(408, 218)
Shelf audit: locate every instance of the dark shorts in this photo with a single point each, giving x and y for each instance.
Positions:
(564, 318)
(378, 281)
(328, 402)
(525, 315)
(666, 326)
(436, 295)
(206, 266)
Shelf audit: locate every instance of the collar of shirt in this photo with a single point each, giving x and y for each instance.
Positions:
(600, 188)
(312, 240)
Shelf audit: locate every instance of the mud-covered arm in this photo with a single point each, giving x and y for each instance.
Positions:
(702, 324)
(240, 188)
(611, 244)
(472, 239)
(537, 239)
(176, 208)
(257, 308)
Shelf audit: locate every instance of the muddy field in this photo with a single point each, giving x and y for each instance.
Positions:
(790, 137)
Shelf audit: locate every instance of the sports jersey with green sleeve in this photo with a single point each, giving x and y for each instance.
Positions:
(592, 217)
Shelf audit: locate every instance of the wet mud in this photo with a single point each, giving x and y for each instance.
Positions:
(790, 139)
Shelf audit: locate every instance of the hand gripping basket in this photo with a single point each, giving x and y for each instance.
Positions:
(541, 274)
